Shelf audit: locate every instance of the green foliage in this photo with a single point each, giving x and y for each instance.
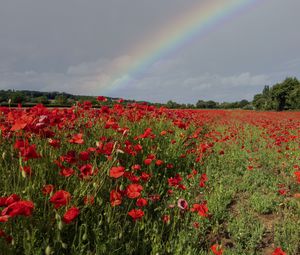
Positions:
(263, 204)
(246, 231)
(282, 96)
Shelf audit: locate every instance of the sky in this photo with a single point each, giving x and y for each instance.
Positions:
(78, 46)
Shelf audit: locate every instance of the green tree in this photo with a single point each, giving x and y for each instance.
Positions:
(61, 99)
(18, 97)
(280, 93)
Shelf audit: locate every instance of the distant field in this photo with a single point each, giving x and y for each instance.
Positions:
(135, 179)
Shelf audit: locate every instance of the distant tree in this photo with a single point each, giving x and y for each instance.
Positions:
(294, 98)
(61, 99)
(201, 104)
(280, 93)
(172, 105)
(42, 100)
(18, 97)
(211, 104)
(243, 103)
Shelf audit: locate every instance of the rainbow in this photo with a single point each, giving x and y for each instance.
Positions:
(201, 19)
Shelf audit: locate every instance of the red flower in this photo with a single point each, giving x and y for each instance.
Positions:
(141, 202)
(66, 172)
(19, 125)
(278, 251)
(216, 249)
(116, 171)
(136, 167)
(29, 152)
(201, 209)
(159, 162)
(18, 208)
(147, 161)
(70, 215)
(47, 189)
(145, 177)
(133, 190)
(115, 198)
(84, 155)
(5, 201)
(77, 139)
(203, 180)
(136, 214)
(101, 99)
(54, 143)
(297, 174)
(26, 169)
(86, 171)
(166, 218)
(60, 198)
(4, 218)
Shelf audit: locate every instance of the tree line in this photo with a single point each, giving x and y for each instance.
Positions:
(279, 97)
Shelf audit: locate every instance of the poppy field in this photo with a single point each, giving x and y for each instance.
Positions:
(136, 179)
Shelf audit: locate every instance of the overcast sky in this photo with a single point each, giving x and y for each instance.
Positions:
(68, 45)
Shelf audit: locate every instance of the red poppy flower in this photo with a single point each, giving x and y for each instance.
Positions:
(166, 218)
(278, 251)
(77, 139)
(101, 99)
(70, 215)
(66, 172)
(47, 189)
(115, 198)
(297, 174)
(201, 209)
(4, 218)
(147, 161)
(84, 155)
(159, 162)
(86, 171)
(216, 249)
(116, 171)
(5, 201)
(141, 202)
(136, 214)
(18, 208)
(60, 198)
(133, 190)
(26, 169)
(136, 167)
(29, 152)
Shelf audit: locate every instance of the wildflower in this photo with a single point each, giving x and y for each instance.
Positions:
(182, 204)
(136, 214)
(133, 190)
(216, 249)
(70, 215)
(77, 139)
(278, 251)
(18, 208)
(60, 198)
(47, 189)
(115, 198)
(116, 171)
(141, 202)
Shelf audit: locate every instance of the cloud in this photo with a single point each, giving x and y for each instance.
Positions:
(165, 80)
(186, 87)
